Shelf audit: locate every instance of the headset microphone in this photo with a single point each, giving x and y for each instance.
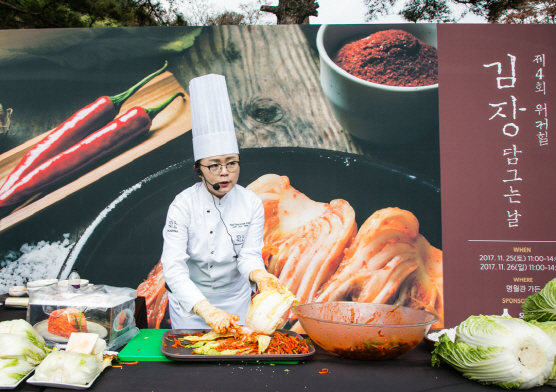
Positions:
(214, 186)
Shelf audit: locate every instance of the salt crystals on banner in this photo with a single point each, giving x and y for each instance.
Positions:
(33, 262)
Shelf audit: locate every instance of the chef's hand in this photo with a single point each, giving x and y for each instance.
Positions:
(220, 321)
(266, 281)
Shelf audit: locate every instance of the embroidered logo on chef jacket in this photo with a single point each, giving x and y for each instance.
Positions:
(238, 232)
(172, 226)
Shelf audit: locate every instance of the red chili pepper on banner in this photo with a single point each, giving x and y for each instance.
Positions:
(118, 132)
(81, 124)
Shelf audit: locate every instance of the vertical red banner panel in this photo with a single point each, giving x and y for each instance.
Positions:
(497, 89)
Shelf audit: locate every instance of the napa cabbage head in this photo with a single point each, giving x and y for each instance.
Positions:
(541, 306)
(267, 311)
(550, 328)
(13, 370)
(22, 328)
(503, 351)
(18, 347)
(69, 368)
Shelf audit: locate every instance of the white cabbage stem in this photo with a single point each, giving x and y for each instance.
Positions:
(267, 311)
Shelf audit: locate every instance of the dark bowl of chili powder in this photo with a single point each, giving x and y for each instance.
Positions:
(381, 80)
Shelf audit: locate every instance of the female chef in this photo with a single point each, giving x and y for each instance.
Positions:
(213, 237)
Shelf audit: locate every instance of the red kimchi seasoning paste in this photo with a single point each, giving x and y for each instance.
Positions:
(391, 57)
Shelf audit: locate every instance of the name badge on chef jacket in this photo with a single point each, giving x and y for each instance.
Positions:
(238, 232)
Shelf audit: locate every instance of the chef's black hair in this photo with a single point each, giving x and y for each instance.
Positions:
(196, 173)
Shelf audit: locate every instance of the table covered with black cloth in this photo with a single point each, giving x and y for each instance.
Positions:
(410, 372)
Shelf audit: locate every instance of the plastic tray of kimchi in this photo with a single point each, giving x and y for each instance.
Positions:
(186, 354)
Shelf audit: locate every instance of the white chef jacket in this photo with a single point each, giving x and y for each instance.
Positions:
(198, 257)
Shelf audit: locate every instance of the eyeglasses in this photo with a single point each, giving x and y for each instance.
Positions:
(216, 168)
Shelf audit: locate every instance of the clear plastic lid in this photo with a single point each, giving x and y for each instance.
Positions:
(95, 296)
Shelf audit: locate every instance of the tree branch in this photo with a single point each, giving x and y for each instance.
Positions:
(19, 9)
(40, 15)
(293, 11)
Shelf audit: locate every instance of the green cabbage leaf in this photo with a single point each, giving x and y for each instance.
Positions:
(541, 306)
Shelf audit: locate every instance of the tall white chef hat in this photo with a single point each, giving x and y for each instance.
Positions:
(211, 117)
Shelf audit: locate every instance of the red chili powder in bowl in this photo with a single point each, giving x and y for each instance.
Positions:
(391, 57)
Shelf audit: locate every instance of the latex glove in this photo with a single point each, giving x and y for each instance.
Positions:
(266, 281)
(220, 321)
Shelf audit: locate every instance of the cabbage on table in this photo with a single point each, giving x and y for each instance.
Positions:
(550, 328)
(22, 328)
(17, 347)
(70, 368)
(21, 348)
(504, 351)
(13, 370)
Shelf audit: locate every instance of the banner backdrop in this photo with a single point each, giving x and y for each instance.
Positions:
(497, 164)
(357, 161)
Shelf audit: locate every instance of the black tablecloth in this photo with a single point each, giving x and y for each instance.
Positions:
(410, 372)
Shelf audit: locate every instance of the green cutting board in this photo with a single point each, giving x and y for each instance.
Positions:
(145, 347)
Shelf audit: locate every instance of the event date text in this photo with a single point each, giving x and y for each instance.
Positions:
(516, 258)
(516, 267)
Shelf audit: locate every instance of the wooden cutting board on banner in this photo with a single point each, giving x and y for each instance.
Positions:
(170, 123)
